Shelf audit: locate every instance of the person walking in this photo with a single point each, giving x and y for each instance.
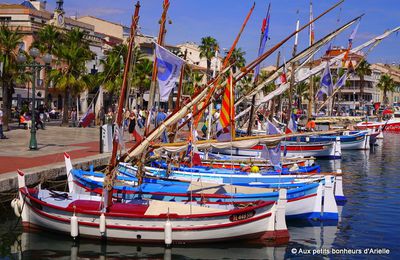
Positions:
(132, 124)
(2, 136)
(161, 116)
(110, 117)
(74, 117)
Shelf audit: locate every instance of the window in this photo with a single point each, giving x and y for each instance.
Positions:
(5, 19)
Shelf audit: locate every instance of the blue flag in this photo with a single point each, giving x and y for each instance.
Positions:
(168, 69)
(326, 83)
(341, 82)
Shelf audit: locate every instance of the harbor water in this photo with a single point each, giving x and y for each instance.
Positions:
(368, 225)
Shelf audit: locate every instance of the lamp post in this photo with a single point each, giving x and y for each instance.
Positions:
(35, 67)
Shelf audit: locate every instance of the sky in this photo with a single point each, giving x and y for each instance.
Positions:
(222, 19)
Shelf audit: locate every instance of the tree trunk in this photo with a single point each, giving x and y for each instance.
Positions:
(110, 100)
(385, 99)
(362, 93)
(208, 70)
(6, 109)
(65, 120)
(46, 88)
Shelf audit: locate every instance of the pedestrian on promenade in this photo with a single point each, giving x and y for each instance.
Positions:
(132, 124)
(2, 136)
(161, 116)
(38, 121)
(127, 115)
(109, 117)
(74, 117)
(101, 116)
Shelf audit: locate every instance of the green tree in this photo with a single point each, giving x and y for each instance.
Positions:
(386, 84)
(9, 42)
(73, 52)
(237, 59)
(141, 78)
(302, 90)
(363, 69)
(113, 70)
(192, 82)
(48, 37)
(207, 50)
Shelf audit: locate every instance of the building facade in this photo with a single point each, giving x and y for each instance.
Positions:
(28, 18)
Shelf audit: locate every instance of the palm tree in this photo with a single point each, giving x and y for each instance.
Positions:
(207, 50)
(141, 78)
(113, 69)
(302, 92)
(9, 41)
(47, 38)
(244, 86)
(72, 52)
(363, 69)
(386, 84)
(192, 82)
(237, 59)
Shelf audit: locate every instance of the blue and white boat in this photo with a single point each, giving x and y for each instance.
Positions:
(349, 140)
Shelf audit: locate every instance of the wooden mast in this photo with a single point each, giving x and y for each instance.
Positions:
(258, 60)
(108, 182)
(160, 41)
(224, 65)
(178, 98)
(293, 74)
(256, 76)
(246, 70)
(273, 112)
(311, 90)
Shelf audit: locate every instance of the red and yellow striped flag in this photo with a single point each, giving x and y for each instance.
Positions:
(227, 108)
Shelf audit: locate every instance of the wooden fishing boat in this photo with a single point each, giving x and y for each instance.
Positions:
(149, 221)
(304, 197)
(349, 140)
(391, 125)
(320, 150)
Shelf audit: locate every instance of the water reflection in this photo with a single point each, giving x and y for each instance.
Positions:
(45, 245)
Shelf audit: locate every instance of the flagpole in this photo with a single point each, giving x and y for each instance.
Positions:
(109, 180)
(160, 41)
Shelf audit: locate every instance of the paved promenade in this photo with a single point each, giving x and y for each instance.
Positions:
(48, 161)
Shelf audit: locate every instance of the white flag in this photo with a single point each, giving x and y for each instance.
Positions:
(168, 69)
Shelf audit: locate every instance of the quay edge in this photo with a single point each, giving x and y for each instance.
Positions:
(9, 181)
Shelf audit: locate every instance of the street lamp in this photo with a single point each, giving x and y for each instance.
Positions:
(36, 67)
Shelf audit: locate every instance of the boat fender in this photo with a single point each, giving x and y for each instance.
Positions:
(16, 205)
(13, 202)
(307, 139)
(102, 224)
(168, 233)
(74, 226)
